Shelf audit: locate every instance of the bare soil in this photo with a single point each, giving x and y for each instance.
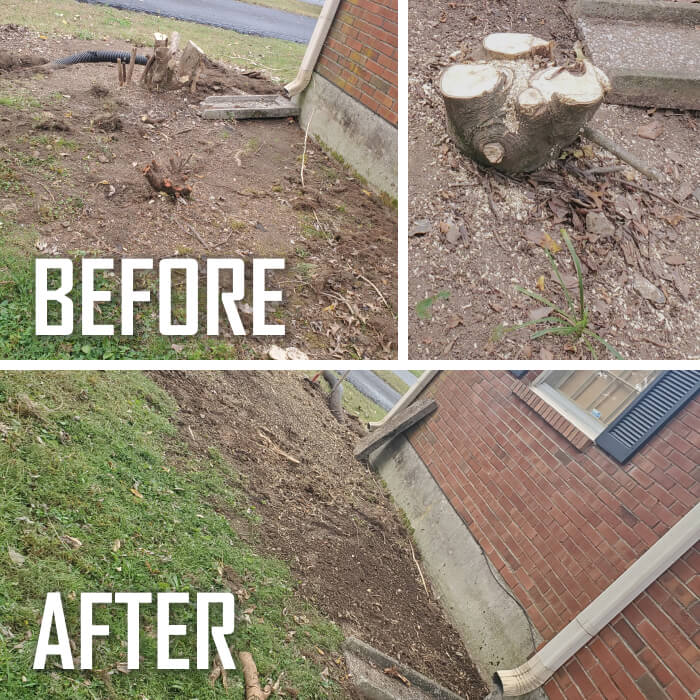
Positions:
(248, 200)
(653, 239)
(328, 516)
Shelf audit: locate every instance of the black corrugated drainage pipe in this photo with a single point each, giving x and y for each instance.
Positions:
(100, 57)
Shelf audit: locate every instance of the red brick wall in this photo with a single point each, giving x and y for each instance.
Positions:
(360, 55)
(561, 524)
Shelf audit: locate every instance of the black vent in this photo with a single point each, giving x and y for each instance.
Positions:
(651, 410)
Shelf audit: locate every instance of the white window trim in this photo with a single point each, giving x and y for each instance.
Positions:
(584, 422)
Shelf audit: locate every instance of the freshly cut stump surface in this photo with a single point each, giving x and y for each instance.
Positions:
(512, 112)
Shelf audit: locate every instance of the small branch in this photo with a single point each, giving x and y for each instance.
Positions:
(306, 138)
(276, 449)
(415, 561)
(376, 289)
(635, 186)
(622, 153)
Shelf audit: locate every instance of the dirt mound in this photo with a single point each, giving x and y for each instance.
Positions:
(327, 515)
(10, 61)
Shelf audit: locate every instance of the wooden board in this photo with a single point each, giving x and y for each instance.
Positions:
(394, 426)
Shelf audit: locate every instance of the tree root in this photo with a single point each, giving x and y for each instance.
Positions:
(253, 691)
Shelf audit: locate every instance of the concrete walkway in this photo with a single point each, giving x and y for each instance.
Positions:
(650, 50)
(227, 14)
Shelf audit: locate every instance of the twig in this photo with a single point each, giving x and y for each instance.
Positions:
(604, 170)
(635, 186)
(376, 289)
(413, 554)
(276, 449)
(306, 138)
(622, 153)
(191, 232)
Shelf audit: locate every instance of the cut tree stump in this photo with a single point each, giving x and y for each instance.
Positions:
(510, 113)
(164, 71)
(393, 427)
(174, 182)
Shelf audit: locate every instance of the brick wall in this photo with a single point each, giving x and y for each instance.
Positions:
(360, 55)
(561, 524)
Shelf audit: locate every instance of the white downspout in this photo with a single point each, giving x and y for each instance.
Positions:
(313, 48)
(408, 397)
(659, 557)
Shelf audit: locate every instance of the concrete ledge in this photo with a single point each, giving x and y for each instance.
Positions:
(666, 91)
(368, 143)
(475, 597)
(368, 653)
(640, 10)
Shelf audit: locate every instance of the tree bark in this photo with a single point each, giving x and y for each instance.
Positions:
(511, 114)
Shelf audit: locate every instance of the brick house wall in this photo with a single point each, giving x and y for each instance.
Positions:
(561, 523)
(360, 55)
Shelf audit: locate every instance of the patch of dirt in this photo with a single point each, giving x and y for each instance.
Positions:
(246, 191)
(472, 282)
(328, 517)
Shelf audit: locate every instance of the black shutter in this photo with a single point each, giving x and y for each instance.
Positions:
(652, 409)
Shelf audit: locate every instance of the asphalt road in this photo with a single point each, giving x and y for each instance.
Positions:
(228, 14)
(374, 388)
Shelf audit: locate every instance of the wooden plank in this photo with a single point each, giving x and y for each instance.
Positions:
(394, 426)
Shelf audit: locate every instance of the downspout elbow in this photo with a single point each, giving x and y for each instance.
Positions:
(313, 49)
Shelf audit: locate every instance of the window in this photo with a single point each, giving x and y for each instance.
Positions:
(592, 400)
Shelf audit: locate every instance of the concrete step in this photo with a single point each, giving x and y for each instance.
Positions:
(650, 63)
(248, 107)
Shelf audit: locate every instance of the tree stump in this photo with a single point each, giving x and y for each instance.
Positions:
(510, 113)
(164, 71)
(172, 181)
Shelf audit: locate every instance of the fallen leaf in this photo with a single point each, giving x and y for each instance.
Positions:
(546, 354)
(651, 130)
(540, 283)
(177, 347)
(454, 322)
(72, 542)
(539, 312)
(674, 260)
(136, 493)
(116, 545)
(16, 557)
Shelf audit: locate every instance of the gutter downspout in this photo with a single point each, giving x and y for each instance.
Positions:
(409, 397)
(313, 48)
(659, 557)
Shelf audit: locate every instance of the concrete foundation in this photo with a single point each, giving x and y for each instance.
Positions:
(368, 143)
(495, 630)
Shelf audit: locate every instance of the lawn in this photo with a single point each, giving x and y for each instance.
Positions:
(83, 21)
(94, 457)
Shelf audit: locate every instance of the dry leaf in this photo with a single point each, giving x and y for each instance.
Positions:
(136, 493)
(651, 130)
(674, 260)
(540, 283)
(16, 557)
(539, 312)
(546, 354)
(72, 542)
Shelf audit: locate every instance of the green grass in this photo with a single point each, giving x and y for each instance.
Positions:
(396, 383)
(17, 312)
(280, 58)
(355, 402)
(572, 321)
(72, 448)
